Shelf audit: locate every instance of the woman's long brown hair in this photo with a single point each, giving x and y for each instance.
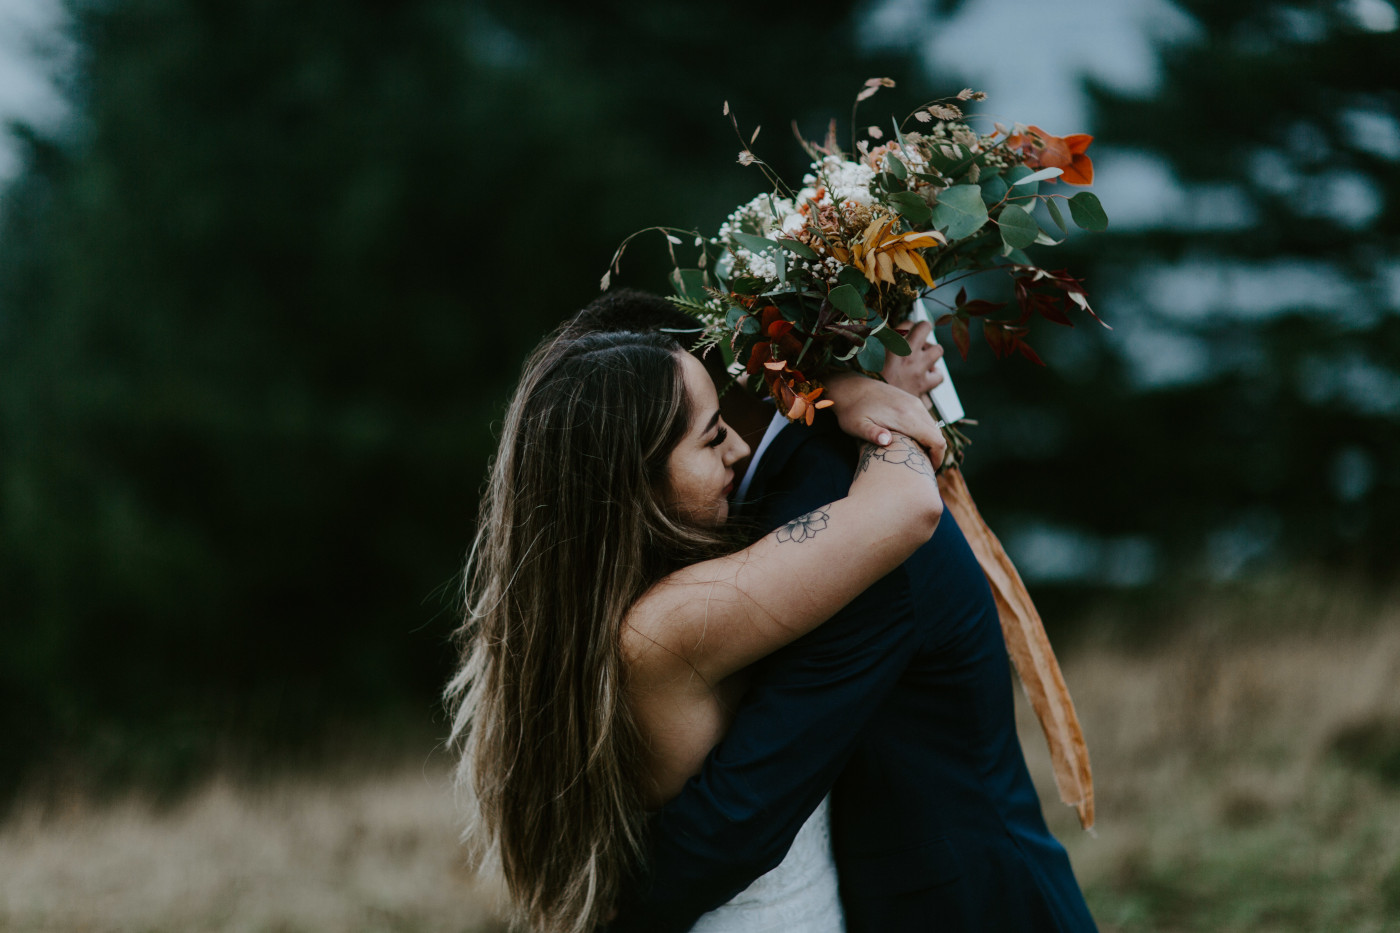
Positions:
(574, 527)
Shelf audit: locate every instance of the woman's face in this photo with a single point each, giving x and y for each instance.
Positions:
(701, 469)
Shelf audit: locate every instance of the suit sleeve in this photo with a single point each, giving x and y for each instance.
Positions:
(791, 736)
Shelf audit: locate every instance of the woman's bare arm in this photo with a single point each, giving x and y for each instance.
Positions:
(719, 616)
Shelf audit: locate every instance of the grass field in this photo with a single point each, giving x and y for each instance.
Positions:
(1247, 767)
(1247, 764)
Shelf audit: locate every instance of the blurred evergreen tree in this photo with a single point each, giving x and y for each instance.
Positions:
(1245, 412)
(260, 304)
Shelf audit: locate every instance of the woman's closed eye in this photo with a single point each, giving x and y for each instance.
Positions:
(720, 436)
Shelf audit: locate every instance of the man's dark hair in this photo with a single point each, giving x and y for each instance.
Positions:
(630, 309)
(627, 309)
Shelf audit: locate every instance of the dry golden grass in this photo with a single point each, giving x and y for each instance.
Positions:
(1247, 766)
(377, 853)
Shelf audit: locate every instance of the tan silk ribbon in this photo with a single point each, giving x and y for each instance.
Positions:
(1029, 649)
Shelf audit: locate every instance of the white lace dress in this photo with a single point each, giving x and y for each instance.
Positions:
(799, 896)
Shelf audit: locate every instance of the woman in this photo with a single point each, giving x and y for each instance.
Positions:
(609, 610)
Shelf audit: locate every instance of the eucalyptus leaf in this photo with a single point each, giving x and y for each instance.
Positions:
(1055, 215)
(690, 283)
(895, 166)
(1018, 228)
(797, 248)
(872, 356)
(1041, 175)
(750, 325)
(850, 275)
(960, 210)
(911, 206)
(1017, 174)
(1087, 212)
(754, 244)
(893, 341)
(1020, 181)
(993, 189)
(848, 301)
(890, 181)
(747, 285)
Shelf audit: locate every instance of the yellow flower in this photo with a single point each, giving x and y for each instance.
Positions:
(881, 250)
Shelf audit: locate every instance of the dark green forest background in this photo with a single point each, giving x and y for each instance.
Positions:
(264, 294)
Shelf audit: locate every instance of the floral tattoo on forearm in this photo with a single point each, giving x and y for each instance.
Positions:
(803, 527)
(901, 451)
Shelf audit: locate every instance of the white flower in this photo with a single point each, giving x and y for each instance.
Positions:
(838, 180)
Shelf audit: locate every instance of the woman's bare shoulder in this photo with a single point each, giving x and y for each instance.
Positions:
(667, 624)
(645, 637)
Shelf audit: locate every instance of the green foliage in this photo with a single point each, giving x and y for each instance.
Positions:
(757, 244)
(1018, 229)
(960, 211)
(1087, 212)
(797, 248)
(912, 207)
(872, 356)
(1020, 183)
(848, 301)
(690, 283)
(850, 275)
(260, 309)
(1231, 420)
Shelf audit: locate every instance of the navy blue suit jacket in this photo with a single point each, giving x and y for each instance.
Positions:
(901, 707)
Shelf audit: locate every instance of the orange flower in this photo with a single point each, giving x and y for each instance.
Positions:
(1041, 150)
(798, 405)
(881, 250)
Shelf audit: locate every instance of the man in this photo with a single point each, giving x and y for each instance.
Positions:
(900, 706)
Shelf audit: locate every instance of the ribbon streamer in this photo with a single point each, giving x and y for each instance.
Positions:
(1030, 651)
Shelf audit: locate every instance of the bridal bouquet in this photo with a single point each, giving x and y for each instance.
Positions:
(803, 281)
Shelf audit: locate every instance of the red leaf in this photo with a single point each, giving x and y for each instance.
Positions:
(997, 338)
(961, 337)
(1052, 310)
(761, 353)
(1028, 353)
(979, 307)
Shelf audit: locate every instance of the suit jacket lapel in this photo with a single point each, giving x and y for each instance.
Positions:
(779, 452)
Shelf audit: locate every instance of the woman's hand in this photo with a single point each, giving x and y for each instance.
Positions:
(872, 411)
(915, 373)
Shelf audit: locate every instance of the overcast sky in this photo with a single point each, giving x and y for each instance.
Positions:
(1031, 58)
(31, 48)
